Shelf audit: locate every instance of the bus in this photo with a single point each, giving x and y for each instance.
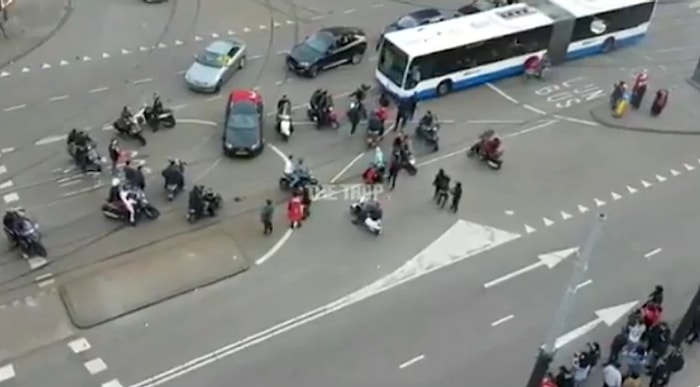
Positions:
(434, 60)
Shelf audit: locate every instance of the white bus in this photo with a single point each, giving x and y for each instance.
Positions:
(436, 59)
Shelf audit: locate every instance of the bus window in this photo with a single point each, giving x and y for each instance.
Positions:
(613, 21)
(392, 62)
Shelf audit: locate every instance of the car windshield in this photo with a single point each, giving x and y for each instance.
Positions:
(406, 22)
(319, 42)
(211, 59)
(392, 62)
(244, 116)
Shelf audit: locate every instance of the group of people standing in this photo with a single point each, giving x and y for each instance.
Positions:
(442, 191)
(622, 97)
(642, 347)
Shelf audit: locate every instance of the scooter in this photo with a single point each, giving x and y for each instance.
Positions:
(430, 135)
(130, 129)
(29, 242)
(118, 210)
(165, 117)
(284, 126)
(372, 225)
(212, 204)
(495, 162)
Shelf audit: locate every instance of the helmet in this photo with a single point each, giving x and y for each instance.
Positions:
(364, 86)
(115, 182)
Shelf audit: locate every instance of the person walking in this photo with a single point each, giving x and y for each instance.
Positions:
(456, 197)
(394, 168)
(612, 377)
(443, 191)
(266, 215)
(354, 118)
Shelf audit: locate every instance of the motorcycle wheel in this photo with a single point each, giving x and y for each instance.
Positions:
(335, 124)
(151, 212)
(191, 218)
(495, 166)
(40, 250)
(284, 184)
(169, 122)
(412, 170)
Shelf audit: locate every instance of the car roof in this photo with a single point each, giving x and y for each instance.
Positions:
(341, 30)
(243, 95)
(221, 46)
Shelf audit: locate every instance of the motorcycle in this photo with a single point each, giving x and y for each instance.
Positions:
(155, 119)
(494, 162)
(130, 129)
(430, 135)
(29, 241)
(360, 218)
(284, 126)
(172, 190)
(327, 118)
(212, 204)
(91, 162)
(142, 208)
(535, 70)
(285, 182)
(406, 160)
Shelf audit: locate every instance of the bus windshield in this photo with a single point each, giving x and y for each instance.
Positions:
(392, 62)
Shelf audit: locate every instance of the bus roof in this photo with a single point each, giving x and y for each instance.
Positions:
(468, 29)
(582, 8)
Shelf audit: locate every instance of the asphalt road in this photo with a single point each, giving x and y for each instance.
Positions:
(448, 316)
(556, 160)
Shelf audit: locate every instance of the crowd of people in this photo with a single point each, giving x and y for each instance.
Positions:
(622, 97)
(641, 354)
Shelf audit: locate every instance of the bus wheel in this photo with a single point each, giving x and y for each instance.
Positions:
(444, 87)
(608, 45)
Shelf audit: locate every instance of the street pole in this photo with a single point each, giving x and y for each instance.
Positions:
(548, 350)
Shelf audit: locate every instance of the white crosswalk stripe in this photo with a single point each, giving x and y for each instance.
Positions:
(694, 4)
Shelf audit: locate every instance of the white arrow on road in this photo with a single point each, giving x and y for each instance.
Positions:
(550, 260)
(608, 316)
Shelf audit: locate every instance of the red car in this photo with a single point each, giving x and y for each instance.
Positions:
(243, 125)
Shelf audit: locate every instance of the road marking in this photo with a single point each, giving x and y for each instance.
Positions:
(141, 81)
(652, 253)
(45, 66)
(59, 98)
(6, 185)
(4, 74)
(79, 345)
(529, 229)
(7, 372)
(347, 167)
(349, 11)
(37, 262)
(214, 98)
(534, 109)
(95, 366)
(583, 285)
(112, 383)
(51, 139)
(502, 93)
(11, 198)
(99, 89)
(3, 169)
(13, 108)
(615, 195)
(270, 253)
(379, 5)
(547, 222)
(45, 280)
(25, 70)
(411, 362)
(502, 320)
(582, 209)
(86, 59)
(576, 120)
(317, 17)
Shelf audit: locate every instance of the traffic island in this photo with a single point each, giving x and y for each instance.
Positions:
(151, 275)
(681, 115)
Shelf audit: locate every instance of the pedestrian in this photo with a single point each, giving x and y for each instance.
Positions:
(564, 378)
(266, 215)
(639, 89)
(616, 346)
(295, 211)
(658, 339)
(581, 369)
(694, 333)
(129, 173)
(661, 375)
(593, 354)
(633, 380)
(616, 95)
(657, 296)
(659, 103)
(140, 178)
(354, 118)
(636, 360)
(443, 192)
(437, 182)
(394, 168)
(114, 154)
(306, 202)
(634, 335)
(612, 376)
(456, 197)
(406, 111)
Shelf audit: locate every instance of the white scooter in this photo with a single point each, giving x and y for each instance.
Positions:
(373, 225)
(284, 126)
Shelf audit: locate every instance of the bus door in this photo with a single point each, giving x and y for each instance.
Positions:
(561, 37)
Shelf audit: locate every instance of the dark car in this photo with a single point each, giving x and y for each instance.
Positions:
(419, 18)
(329, 47)
(243, 127)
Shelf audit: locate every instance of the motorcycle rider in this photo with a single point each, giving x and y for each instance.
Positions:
(157, 106)
(375, 124)
(428, 120)
(173, 175)
(360, 94)
(284, 105)
(299, 174)
(490, 148)
(196, 200)
(126, 195)
(114, 154)
(316, 102)
(113, 196)
(130, 173)
(11, 221)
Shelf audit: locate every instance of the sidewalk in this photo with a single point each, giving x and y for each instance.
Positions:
(30, 24)
(681, 115)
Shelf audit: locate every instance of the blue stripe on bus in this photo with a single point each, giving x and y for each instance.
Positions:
(515, 70)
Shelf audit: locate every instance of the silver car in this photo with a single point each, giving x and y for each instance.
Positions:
(214, 66)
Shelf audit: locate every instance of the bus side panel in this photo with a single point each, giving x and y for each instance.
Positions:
(476, 77)
(578, 50)
(559, 43)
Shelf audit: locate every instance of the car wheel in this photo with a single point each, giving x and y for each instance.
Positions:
(242, 63)
(609, 45)
(217, 89)
(313, 71)
(356, 59)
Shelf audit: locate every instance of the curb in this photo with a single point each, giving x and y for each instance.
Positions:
(67, 11)
(641, 129)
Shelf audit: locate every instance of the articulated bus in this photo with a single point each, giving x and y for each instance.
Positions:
(436, 59)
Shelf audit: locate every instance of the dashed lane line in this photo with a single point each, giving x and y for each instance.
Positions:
(95, 57)
(7, 372)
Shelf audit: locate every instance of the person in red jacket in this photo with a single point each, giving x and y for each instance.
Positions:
(295, 211)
